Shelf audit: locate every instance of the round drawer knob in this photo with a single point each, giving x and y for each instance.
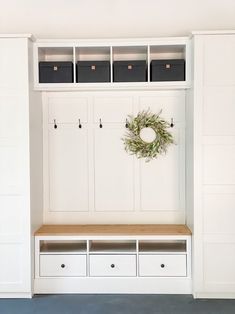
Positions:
(162, 265)
(62, 265)
(112, 265)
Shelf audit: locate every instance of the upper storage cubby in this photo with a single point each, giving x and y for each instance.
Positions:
(93, 64)
(167, 63)
(130, 64)
(161, 63)
(55, 65)
(55, 54)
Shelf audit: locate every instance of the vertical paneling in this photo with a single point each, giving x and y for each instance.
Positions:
(68, 169)
(161, 180)
(114, 172)
(118, 183)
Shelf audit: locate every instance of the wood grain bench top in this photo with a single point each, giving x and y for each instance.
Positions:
(112, 230)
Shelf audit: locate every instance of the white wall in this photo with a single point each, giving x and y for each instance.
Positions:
(114, 18)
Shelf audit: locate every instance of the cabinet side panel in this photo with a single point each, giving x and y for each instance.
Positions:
(198, 89)
(36, 160)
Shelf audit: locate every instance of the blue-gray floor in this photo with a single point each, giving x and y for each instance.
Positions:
(116, 304)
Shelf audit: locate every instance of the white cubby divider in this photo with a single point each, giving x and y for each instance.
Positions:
(113, 50)
(74, 65)
(111, 62)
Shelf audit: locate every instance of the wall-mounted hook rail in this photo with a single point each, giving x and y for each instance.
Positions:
(79, 124)
(55, 125)
(172, 123)
(101, 125)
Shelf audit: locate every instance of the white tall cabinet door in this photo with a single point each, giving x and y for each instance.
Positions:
(15, 251)
(68, 168)
(214, 159)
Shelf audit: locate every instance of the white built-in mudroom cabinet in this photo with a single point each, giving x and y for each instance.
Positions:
(79, 214)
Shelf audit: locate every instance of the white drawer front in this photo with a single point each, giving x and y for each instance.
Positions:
(113, 265)
(162, 265)
(62, 265)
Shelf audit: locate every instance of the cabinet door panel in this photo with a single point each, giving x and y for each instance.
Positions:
(68, 169)
(13, 64)
(67, 109)
(11, 169)
(219, 213)
(219, 111)
(12, 122)
(114, 172)
(11, 272)
(219, 61)
(162, 179)
(219, 163)
(219, 261)
(11, 222)
(112, 109)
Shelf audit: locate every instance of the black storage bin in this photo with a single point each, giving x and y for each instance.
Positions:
(55, 72)
(167, 70)
(93, 71)
(129, 71)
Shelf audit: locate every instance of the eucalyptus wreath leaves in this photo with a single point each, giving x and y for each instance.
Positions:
(135, 145)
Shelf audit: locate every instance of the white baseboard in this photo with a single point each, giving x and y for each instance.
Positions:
(113, 285)
(214, 295)
(15, 295)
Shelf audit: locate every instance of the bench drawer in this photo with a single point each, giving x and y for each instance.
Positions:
(113, 265)
(162, 265)
(62, 265)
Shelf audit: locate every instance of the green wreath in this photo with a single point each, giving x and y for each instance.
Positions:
(147, 123)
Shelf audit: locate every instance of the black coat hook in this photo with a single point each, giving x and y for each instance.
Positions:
(101, 125)
(172, 123)
(79, 124)
(55, 125)
(127, 124)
